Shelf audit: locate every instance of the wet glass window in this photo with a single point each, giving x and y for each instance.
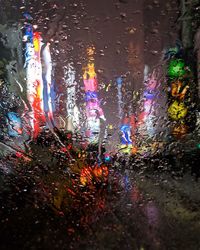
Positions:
(100, 124)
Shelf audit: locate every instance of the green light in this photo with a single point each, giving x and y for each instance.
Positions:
(198, 146)
(176, 68)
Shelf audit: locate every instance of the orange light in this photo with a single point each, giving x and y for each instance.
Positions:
(134, 150)
(97, 171)
(86, 176)
(178, 90)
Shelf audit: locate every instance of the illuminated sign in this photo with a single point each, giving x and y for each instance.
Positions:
(90, 95)
(179, 79)
(177, 110)
(39, 79)
(178, 90)
(93, 110)
(176, 68)
(149, 95)
(126, 134)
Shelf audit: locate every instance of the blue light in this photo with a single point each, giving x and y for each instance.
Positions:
(119, 81)
(126, 134)
(149, 94)
(14, 124)
(107, 158)
(90, 95)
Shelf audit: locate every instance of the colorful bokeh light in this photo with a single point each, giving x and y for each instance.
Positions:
(176, 68)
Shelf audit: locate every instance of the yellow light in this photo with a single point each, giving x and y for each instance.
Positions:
(85, 75)
(83, 180)
(36, 44)
(110, 126)
(90, 71)
(38, 90)
(126, 149)
(177, 110)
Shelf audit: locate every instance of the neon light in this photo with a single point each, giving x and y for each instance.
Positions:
(14, 124)
(34, 78)
(90, 71)
(178, 74)
(90, 85)
(178, 91)
(47, 83)
(93, 110)
(90, 95)
(127, 124)
(176, 68)
(149, 95)
(36, 43)
(177, 110)
(126, 135)
(107, 158)
(72, 109)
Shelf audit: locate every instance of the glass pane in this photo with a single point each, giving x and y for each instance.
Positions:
(99, 131)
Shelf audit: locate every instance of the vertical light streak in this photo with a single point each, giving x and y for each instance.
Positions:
(119, 95)
(72, 109)
(124, 121)
(149, 98)
(47, 79)
(38, 75)
(94, 112)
